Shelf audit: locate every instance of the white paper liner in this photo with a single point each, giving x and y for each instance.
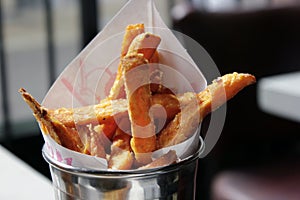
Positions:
(184, 149)
(75, 159)
(72, 158)
(86, 79)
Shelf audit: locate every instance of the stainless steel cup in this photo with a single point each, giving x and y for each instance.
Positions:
(177, 181)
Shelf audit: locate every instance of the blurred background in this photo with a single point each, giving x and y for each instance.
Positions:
(38, 38)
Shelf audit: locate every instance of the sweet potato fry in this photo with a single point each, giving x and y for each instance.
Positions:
(154, 58)
(103, 113)
(97, 142)
(209, 100)
(107, 111)
(146, 44)
(67, 137)
(139, 42)
(131, 32)
(166, 159)
(121, 157)
(138, 93)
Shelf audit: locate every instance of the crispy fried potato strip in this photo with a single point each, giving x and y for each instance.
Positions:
(135, 41)
(209, 100)
(108, 111)
(146, 44)
(93, 139)
(102, 113)
(63, 135)
(121, 157)
(166, 159)
(131, 32)
(136, 77)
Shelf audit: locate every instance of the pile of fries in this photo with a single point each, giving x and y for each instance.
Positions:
(124, 129)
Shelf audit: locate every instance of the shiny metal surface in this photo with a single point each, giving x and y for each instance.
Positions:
(176, 181)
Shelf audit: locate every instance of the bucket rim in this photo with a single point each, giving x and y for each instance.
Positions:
(132, 172)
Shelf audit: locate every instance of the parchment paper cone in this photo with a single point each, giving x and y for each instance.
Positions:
(84, 80)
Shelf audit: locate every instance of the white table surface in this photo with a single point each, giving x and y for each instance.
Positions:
(18, 181)
(280, 95)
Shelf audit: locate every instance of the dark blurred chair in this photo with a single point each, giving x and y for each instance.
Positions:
(262, 42)
(261, 184)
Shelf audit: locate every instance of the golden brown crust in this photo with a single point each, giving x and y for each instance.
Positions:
(111, 110)
(166, 159)
(221, 90)
(215, 95)
(102, 113)
(121, 157)
(155, 57)
(139, 102)
(131, 32)
(97, 142)
(67, 137)
(181, 127)
(137, 42)
(146, 44)
(169, 102)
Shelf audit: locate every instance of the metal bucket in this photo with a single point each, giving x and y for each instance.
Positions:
(177, 181)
